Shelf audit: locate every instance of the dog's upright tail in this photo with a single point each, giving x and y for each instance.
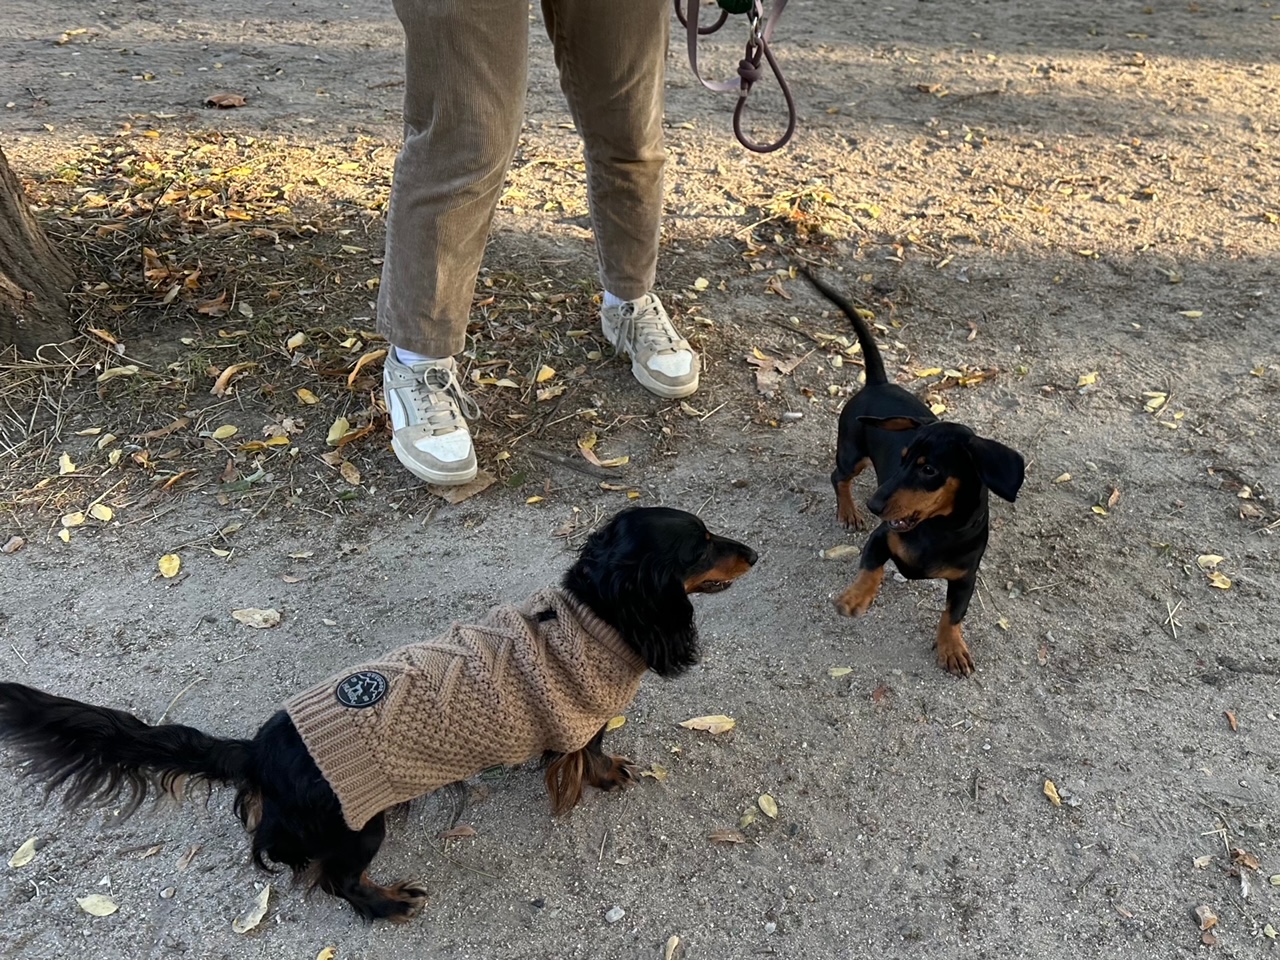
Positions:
(871, 358)
(99, 753)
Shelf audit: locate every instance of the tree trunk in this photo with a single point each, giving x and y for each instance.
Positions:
(34, 280)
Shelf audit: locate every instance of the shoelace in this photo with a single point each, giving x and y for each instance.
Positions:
(441, 414)
(650, 328)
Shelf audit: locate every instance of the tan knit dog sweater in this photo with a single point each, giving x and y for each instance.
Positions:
(545, 675)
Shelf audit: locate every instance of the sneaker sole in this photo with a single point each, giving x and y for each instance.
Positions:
(664, 390)
(453, 479)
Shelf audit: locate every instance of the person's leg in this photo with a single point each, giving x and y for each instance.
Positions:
(466, 68)
(612, 60)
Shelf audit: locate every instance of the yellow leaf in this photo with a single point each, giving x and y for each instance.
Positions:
(508, 382)
(219, 552)
(349, 472)
(72, 519)
(256, 617)
(588, 442)
(280, 441)
(1219, 580)
(253, 916)
(614, 723)
(767, 806)
(225, 431)
(169, 565)
(716, 723)
(929, 372)
(1192, 314)
(937, 409)
(371, 356)
(328, 953)
(106, 440)
(1062, 478)
(1259, 371)
(1087, 379)
(657, 771)
(64, 535)
(838, 551)
(1208, 561)
(96, 905)
(615, 461)
(339, 430)
(1155, 403)
(689, 410)
(65, 465)
(534, 499)
(1100, 511)
(89, 432)
(838, 671)
(1051, 791)
(701, 283)
(1003, 623)
(306, 396)
(545, 373)
(633, 495)
(100, 511)
(24, 854)
(114, 457)
(294, 342)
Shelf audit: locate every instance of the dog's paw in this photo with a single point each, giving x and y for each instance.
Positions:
(622, 774)
(857, 599)
(848, 515)
(955, 658)
(409, 896)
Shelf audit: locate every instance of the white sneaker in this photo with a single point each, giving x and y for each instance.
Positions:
(429, 435)
(661, 359)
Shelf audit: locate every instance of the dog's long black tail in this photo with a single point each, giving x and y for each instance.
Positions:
(98, 753)
(870, 351)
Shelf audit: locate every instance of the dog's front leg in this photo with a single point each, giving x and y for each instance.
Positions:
(953, 652)
(855, 600)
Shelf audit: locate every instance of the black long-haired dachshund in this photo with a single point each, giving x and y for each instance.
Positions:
(313, 784)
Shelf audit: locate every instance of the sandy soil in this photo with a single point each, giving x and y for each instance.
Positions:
(1047, 191)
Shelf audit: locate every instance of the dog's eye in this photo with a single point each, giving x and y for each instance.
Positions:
(928, 470)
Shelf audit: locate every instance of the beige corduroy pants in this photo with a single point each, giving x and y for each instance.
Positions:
(466, 70)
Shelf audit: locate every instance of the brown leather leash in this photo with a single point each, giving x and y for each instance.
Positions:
(749, 67)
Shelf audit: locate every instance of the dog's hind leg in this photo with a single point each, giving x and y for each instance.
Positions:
(342, 870)
(604, 771)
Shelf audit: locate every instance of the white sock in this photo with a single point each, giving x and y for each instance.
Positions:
(409, 358)
(612, 301)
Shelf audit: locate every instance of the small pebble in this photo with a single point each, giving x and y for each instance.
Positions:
(614, 915)
(793, 415)
(770, 927)
(168, 893)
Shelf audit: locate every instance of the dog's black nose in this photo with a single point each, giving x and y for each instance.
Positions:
(750, 555)
(876, 503)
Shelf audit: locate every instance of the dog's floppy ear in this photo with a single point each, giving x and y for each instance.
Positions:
(891, 423)
(655, 616)
(1001, 468)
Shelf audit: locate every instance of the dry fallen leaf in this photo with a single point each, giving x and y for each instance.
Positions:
(128, 370)
(257, 617)
(456, 494)
(371, 357)
(838, 551)
(1114, 498)
(169, 565)
(65, 465)
(1207, 561)
(223, 383)
(225, 101)
(1051, 791)
(726, 836)
(25, 853)
(225, 431)
(350, 473)
(1243, 858)
(1192, 314)
(253, 916)
(768, 806)
(717, 723)
(13, 544)
(1201, 863)
(340, 428)
(328, 953)
(614, 723)
(100, 511)
(544, 374)
(1206, 917)
(96, 905)
(64, 535)
(72, 519)
(184, 861)
(1087, 379)
(838, 671)
(1219, 580)
(1062, 478)
(1231, 720)
(306, 396)
(669, 951)
(657, 771)
(459, 832)
(294, 342)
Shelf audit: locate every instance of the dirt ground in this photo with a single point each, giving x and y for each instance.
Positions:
(1064, 218)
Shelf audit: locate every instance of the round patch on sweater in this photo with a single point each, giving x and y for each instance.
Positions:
(362, 689)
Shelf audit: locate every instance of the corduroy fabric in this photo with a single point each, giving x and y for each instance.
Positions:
(466, 72)
(500, 691)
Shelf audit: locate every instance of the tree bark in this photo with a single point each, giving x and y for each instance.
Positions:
(34, 280)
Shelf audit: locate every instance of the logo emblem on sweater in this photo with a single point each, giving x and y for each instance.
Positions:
(362, 689)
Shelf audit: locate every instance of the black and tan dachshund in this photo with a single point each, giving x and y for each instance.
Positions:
(634, 574)
(933, 477)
